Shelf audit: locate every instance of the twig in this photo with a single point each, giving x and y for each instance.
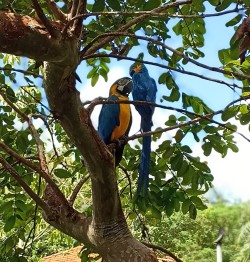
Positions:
(215, 69)
(59, 15)
(77, 189)
(90, 50)
(183, 111)
(21, 71)
(21, 182)
(129, 181)
(162, 249)
(52, 31)
(154, 14)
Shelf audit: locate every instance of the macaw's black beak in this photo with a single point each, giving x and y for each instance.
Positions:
(128, 88)
(132, 71)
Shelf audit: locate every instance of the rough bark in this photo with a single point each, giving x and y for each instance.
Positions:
(106, 231)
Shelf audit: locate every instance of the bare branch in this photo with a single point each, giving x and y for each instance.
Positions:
(77, 189)
(183, 111)
(154, 14)
(53, 32)
(234, 74)
(59, 15)
(21, 182)
(164, 250)
(93, 49)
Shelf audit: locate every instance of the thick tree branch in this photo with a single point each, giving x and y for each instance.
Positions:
(22, 35)
(21, 182)
(92, 49)
(44, 19)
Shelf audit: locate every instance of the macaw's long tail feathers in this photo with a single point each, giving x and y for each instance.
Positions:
(144, 165)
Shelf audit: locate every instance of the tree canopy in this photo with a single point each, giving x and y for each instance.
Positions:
(54, 165)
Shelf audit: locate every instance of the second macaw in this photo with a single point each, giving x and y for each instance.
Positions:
(144, 89)
(115, 119)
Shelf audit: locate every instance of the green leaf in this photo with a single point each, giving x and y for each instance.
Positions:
(9, 223)
(114, 4)
(174, 96)
(223, 4)
(198, 202)
(207, 148)
(62, 173)
(94, 79)
(98, 6)
(192, 211)
(185, 206)
(92, 72)
(224, 56)
(230, 112)
(176, 161)
(234, 21)
(151, 4)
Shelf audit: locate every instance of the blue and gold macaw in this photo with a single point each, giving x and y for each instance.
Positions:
(144, 89)
(115, 119)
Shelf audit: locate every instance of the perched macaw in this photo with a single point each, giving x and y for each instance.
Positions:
(115, 119)
(144, 89)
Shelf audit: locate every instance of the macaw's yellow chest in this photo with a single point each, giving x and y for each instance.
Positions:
(124, 118)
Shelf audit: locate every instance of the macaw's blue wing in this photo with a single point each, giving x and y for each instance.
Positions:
(115, 119)
(144, 90)
(108, 119)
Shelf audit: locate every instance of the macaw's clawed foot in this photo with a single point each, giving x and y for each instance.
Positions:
(124, 140)
(117, 142)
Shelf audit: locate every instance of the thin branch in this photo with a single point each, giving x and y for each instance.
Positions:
(21, 182)
(164, 250)
(155, 14)
(59, 15)
(18, 111)
(35, 99)
(90, 50)
(215, 69)
(129, 181)
(21, 71)
(77, 189)
(183, 111)
(52, 31)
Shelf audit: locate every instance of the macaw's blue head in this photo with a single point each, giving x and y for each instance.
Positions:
(122, 86)
(137, 68)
